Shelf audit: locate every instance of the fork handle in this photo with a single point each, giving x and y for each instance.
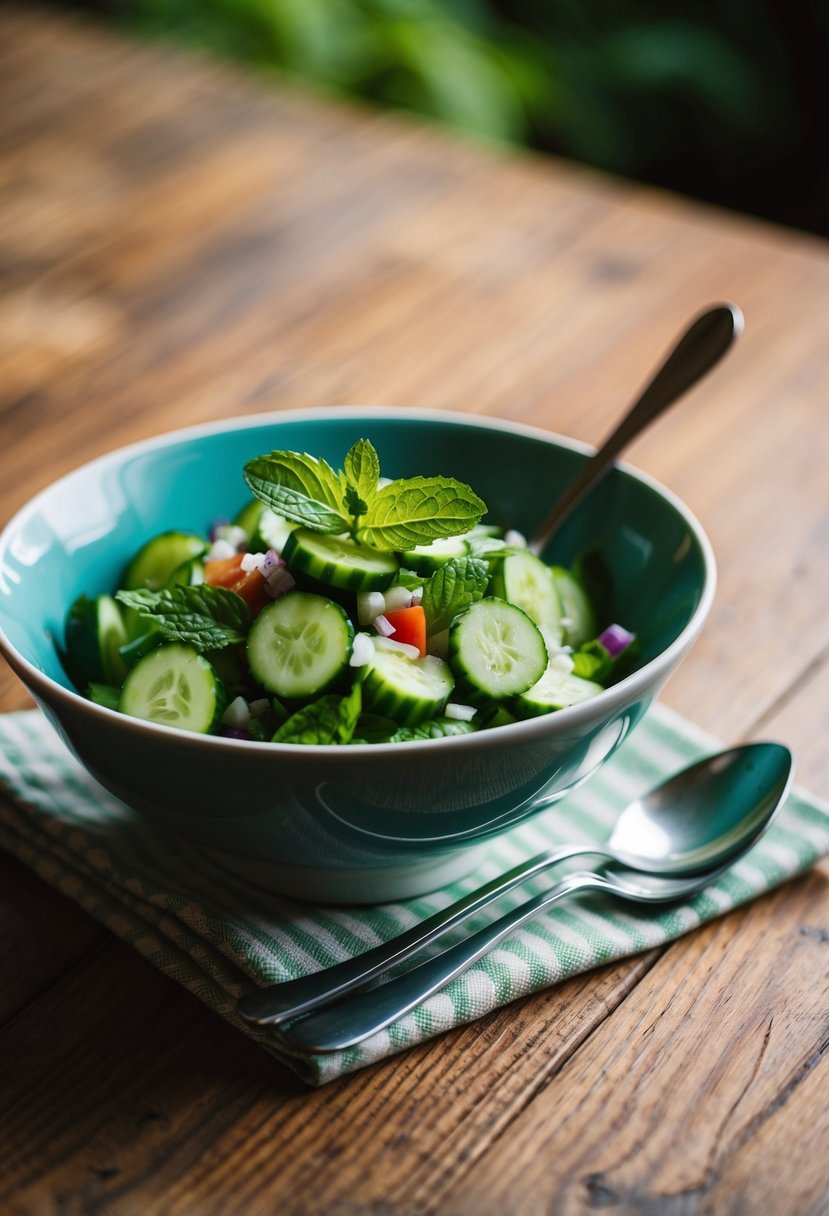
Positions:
(345, 1025)
(280, 1002)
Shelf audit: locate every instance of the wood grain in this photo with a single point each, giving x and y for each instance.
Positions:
(180, 244)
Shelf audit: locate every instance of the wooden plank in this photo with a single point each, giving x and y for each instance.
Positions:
(122, 1092)
(706, 1062)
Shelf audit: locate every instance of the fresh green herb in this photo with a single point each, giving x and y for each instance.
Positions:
(104, 694)
(206, 618)
(300, 488)
(372, 728)
(405, 513)
(362, 469)
(329, 720)
(438, 728)
(452, 588)
(409, 579)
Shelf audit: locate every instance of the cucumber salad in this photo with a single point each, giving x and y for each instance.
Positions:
(340, 607)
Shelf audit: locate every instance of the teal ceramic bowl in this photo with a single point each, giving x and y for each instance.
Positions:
(369, 822)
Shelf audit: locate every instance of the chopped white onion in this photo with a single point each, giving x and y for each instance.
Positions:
(383, 626)
(233, 534)
(259, 707)
(397, 597)
(362, 650)
(220, 550)
(515, 539)
(237, 713)
(370, 604)
(562, 662)
(417, 595)
(460, 713)
(252, 561)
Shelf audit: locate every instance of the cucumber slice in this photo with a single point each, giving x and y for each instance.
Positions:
(407, 690)
(175, 686)
(555, 690)
(497, 649)
(338, 561)
(425, 559)
(248, 519)
(95, 631)
(299, 644)
(156, 561)
(273, 531)
(578, 618)
(188, 574)
(523, 579)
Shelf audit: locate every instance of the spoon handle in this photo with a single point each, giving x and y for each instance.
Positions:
(345, 1025)
(701, 346)
(280, 1002)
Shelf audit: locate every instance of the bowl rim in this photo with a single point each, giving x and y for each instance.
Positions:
(529, 729)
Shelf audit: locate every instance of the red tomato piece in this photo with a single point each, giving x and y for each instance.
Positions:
(409, 626)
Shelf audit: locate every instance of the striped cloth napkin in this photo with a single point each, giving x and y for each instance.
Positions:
(219, 938)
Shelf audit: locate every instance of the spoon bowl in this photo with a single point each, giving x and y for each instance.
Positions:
(667, 843)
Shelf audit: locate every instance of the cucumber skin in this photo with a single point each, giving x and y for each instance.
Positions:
(380, 697)
(85, 660)
(330, 574)
(152, 571)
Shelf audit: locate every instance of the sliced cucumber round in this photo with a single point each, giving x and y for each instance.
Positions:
(175, 686)
(425, 559)
(579, 623)
(188, 574)
(555, 690)
(95, 631)
(299, 644)
(155, 562)
(497, 649)
(407, 690)
(273, 530)
(248, 519)
(523, 579)
(338, 561)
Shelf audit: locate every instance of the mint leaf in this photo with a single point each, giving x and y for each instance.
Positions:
(206, 618)
(438, 728)
(451, 589)
(329, 720)
(409, 579)
(415, 510)
(362, 468)
(303, 489)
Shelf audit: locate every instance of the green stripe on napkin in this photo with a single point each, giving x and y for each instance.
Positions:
(218, 937)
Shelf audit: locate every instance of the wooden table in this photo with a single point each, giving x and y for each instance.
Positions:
(179, 244)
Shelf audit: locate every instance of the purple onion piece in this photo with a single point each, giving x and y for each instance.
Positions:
(615, 639)
(233, 732)
(272, 562)
(383, 626)
(278, 582)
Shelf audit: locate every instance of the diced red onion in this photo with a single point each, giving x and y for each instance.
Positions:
(615, 639)
(459, 713)
(233, 732)
(278, 578)
(384, 626)
(417, 595)
(272, 562)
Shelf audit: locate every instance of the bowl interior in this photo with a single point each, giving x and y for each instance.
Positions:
(78, 534)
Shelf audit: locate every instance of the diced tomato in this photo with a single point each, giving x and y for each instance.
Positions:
(409, 626)
(227, 572)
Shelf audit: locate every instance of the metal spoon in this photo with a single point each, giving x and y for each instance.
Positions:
(692, 824)
(701, 346)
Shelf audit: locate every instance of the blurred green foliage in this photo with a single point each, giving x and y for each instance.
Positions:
(726, 100)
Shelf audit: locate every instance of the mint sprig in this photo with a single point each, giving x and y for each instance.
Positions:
(451, 589)
(204, 617)
(329, 720)
(404, 513)
(437, 728)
